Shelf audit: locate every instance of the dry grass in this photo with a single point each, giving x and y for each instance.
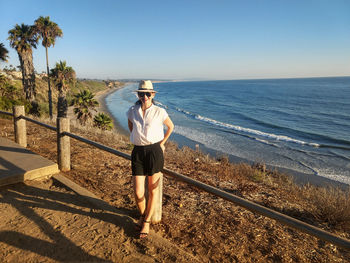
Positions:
(330, 206)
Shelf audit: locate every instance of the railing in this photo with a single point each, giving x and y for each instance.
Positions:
(64, 164)
(39, 123)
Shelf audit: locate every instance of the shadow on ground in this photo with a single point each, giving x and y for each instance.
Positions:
(51, 242)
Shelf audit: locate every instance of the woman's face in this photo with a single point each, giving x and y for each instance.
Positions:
(146, 96)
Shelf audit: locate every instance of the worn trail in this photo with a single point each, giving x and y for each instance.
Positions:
(43, 221)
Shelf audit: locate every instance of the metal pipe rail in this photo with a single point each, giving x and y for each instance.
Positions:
(6, 113)
(98, 145)
(31, 120)
(251, 206)
(39, 123)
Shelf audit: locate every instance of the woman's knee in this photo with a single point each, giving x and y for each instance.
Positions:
(140, 194)
(139, 187)
(153, 184)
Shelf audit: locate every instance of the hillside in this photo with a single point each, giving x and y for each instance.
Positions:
(14, 78)
(208, 227)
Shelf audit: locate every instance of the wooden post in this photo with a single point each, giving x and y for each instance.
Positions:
(157, 212)
(63, 144)
(20, 126)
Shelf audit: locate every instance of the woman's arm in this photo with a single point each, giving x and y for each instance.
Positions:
(170, 127)
(130, 125)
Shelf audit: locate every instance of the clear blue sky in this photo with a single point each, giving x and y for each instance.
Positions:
(189, 39)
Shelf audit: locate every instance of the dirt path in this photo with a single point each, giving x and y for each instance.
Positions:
(44, 222)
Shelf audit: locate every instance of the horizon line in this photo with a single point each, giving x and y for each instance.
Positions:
(206, 79)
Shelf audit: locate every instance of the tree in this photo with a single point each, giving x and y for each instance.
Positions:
(8, 94)
(7, 89)
(84, 103)
(23, 38)
(48, 31)
(3, 53)
(3, 83)
(62, 76)
(103, 121)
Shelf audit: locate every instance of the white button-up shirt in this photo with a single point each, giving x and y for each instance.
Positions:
(147, 129)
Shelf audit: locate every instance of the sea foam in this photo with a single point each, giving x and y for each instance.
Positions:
(247, 130)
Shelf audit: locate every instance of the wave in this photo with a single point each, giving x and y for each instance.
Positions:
(160, 104)
(344, 157)
(252, 138)
(332, 142)
(247, 130)
(209, 140)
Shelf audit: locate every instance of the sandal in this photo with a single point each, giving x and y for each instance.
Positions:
(144, 234)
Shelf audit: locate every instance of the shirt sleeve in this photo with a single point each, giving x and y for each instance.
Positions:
(164, 115)
(128, 113)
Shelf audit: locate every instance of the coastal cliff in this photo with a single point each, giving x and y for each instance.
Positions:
(210, 228)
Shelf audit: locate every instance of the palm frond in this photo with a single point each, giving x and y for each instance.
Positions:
(47, 30)
(3, 53)
(23, 37)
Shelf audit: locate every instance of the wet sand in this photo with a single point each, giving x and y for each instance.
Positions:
(101, 98)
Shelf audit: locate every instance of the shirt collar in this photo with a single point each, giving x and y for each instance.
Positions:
(140, 109)
(140, 106)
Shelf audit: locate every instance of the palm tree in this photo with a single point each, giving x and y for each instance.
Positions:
(62, 76)
(84, 102)
(48, 31)
(23, 38)
(3, 53)
(103, 121)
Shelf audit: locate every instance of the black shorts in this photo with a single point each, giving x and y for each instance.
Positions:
(147, 160)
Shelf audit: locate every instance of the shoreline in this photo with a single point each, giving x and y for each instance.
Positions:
(101, 98)
(299, 178)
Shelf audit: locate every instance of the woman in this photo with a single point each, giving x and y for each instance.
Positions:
(145, 121)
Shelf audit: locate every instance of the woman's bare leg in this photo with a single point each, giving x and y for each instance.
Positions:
(153, 182)
(139, 190)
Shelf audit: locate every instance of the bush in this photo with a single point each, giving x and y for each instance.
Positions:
(6, 103)
(331, 205)
(33, 108)
(44, 109)
(103, 121)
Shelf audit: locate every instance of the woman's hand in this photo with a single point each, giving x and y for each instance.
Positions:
(170, 126)
(162, 147)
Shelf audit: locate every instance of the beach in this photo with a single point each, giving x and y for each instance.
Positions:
(101, 98)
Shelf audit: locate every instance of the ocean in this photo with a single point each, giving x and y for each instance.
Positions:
(297, 124)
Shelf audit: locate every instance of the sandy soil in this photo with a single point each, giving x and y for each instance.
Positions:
(45, 222)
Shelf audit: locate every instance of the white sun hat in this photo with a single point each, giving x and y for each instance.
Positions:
(145, 86)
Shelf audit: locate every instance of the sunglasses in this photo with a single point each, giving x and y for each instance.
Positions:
(142, 94)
